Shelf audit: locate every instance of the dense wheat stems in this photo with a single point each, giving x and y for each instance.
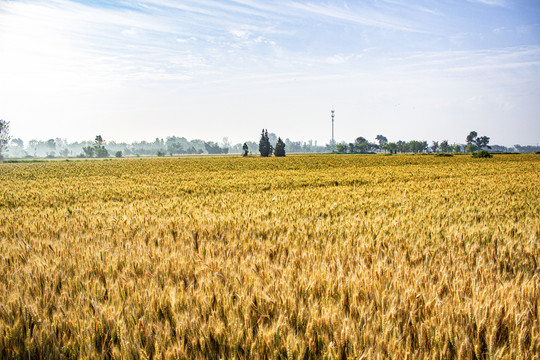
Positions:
(250, 258)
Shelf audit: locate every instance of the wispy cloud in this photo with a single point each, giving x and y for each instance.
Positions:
(490, 2)
(472, 62)
(364, 16)
(311, 51)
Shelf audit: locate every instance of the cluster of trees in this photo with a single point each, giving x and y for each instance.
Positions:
(266, 149)
(363, 146)
(360, 146)
(523, 149)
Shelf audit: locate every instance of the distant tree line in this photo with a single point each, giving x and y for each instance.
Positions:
(100, 148)
(362, 146)
(173, 145)
(474, 143)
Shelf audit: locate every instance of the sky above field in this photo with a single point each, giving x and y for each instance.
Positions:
(137, 70)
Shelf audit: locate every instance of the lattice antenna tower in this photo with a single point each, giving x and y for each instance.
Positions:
(333, 115)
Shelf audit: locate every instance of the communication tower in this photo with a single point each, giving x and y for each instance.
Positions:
(333, 140)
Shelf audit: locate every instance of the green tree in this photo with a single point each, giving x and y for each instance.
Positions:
(483, 142)
(471, 148)
(418, 146)
(402, 146)
(118, 154)
(4, 136)
(444, 147)
(264, 144)
(471, 138)
(174, 147)
(383, 142)
(279, 151)
(341, 148)
(212, 148)
(392, 147)
(99, 147)
(434, 146)
(475, 142)
(362, 146)
(88, 151)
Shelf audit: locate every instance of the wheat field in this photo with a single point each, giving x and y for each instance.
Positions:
(303, 257)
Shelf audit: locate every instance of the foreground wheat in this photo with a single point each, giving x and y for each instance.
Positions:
(298, 258)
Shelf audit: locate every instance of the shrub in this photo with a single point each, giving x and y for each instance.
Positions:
(443, 155)
(118, 154)
(482, 154)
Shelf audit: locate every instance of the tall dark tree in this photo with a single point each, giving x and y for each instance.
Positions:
(279, 151)
(264, 144)
(245, 148)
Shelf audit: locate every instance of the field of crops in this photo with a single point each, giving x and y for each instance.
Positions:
(303, 257)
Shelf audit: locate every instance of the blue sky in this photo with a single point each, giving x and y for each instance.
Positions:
(134, 70)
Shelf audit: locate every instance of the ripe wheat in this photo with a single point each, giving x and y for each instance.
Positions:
(339, 257)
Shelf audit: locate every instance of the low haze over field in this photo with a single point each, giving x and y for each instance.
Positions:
(213, 69)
